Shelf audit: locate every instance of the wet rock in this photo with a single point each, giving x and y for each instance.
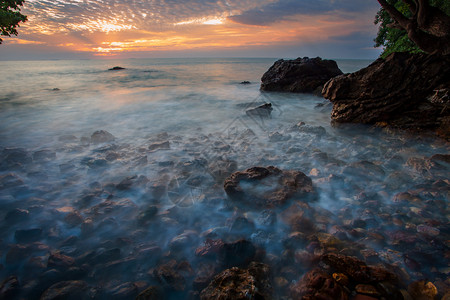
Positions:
(165, 145)
(9, 288)
(151, 293)
(357, 269)
(422, 290)
(245, 82)
(310, 129)
(392, 92)
(242, 224)
(268, 187)
(220, 169)
(28, 235)
(147, 215)
(73, 219)
(44, 155)
(67, 290)
(237, 254)
(101, 136)
(169, 277)
(262, 111)
(16, 215)
(68, 138)
(317, 284)
(428, 230)
(240, 284)
(367, 289)
(127, 290)
(278, 137)
(60, 261)
(15, 157)
(364, 169)
(183, 240)
(10, 180)
(211, 248)
(132, 181)
(267, 218)
(302, 75)
(17, 254)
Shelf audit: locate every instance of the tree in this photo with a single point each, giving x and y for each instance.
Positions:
(414, 26)
(10, 17)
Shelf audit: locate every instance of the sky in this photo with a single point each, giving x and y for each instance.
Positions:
(86, 29)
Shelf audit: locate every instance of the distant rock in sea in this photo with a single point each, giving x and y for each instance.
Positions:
(117, 68)
(245, 82)
(302, 75)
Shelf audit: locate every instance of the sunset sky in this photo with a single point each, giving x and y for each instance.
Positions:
(64, 29)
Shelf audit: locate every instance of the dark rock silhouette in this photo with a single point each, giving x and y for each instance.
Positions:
(302, 75)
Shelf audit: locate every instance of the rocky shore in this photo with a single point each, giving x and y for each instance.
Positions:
(407, 91)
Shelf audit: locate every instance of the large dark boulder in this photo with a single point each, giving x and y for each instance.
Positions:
(301, 75)
(270, 187)
(408, 91)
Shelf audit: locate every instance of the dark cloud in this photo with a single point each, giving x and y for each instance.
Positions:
(280, 10)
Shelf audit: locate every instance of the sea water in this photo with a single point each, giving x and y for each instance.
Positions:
(180, 128)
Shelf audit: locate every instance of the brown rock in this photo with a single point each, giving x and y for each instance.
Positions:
(268, 187)
(357, 269)
(240, 284)
(316, 284)
(422, 290)
(66, 290)
(393, 91)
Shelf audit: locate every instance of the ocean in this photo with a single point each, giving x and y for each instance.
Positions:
(122, 171)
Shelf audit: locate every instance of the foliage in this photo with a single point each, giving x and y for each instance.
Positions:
(394, 39)
(10, 17)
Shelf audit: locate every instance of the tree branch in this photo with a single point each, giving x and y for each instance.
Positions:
(412, 6)
(395, 14)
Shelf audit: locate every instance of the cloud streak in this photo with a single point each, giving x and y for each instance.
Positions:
(109, 27)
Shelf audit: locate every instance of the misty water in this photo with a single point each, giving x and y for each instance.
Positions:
(118, 205)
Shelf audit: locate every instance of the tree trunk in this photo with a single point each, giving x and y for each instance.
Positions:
(428, 28)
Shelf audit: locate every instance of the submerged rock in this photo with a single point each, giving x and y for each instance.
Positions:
(394, 91)
(240, 284)
(101, 136)
(262, 111)
(268, 187)
(317, 284)
(302, 75)
(70, 290)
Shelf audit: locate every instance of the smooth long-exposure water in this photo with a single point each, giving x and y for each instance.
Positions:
(115, 178)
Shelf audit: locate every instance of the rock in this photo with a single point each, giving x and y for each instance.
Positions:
(127, 290)
(310, 129)
(169, 277)
(9, 288)
(268, 187)
(147, 215)
(67, 290)
(240, 284)
(316, 284)
(210, 249)
(60, 261)
(151, 293)
(10, 180)
(159, 146)
(422, 290)
(16, 215)
(28, 235)
(245, 82)
(262, 111)
(102, 136)
(117, 68)
(44, 155)
(237, 254)
(357, 269)
(302, 75)
(393, 92)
